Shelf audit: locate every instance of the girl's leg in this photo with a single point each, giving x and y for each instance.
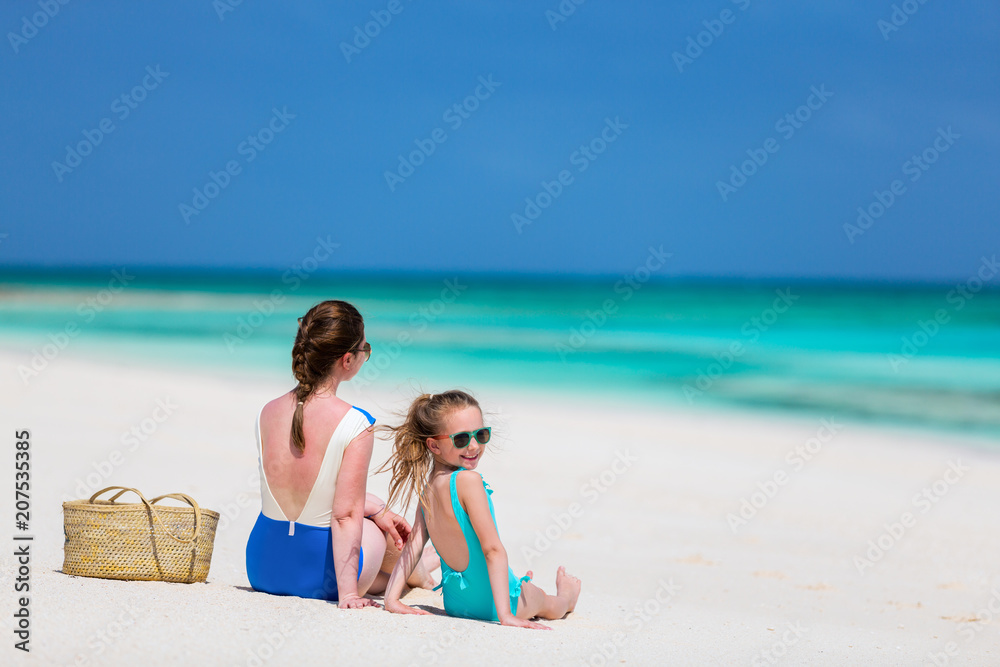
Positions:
(373, 544)
(534, 602)
(421, 576)
(429, 561)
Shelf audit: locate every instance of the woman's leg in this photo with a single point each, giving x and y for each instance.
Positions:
(534, 602)
(373, 544)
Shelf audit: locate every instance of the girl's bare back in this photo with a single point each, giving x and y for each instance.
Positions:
(442, 526)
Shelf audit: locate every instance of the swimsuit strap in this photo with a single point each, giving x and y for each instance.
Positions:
(461, 515)
(456, 506)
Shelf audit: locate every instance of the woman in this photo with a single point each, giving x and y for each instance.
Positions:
(314, 450)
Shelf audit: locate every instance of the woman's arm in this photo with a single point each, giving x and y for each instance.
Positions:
(473, 497)
(408, 560)
(348, 513)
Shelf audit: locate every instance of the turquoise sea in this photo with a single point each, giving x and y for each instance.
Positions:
(916, 355)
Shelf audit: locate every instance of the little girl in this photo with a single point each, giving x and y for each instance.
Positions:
(436, 451)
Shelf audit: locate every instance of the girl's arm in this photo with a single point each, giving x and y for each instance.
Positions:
(345, 522)
(473, 497)
(408, 560)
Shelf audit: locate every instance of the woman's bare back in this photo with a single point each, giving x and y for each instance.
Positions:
(291, 474)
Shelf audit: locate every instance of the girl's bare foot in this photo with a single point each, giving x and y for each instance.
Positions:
(567, 588)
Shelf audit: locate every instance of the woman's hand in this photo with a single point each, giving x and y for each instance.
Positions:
(515, 622)
(397, 607)
(394, 526)
(355, 602)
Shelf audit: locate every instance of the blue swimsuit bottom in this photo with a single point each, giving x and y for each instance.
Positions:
(299, 564)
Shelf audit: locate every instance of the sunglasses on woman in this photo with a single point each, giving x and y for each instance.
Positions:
(462, 439)
(366, 350)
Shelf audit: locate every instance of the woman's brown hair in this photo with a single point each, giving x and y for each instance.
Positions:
(411, 461)
(326, 333)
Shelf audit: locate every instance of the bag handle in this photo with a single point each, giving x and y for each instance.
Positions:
(149, 503)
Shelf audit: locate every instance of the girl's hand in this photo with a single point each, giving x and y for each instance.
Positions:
(355, 602)
(515, 622)
(394, 526)
(398, 607)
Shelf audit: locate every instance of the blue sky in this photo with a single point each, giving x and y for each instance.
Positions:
(278, 73)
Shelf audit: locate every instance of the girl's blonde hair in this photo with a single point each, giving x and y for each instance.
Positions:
(411, 461)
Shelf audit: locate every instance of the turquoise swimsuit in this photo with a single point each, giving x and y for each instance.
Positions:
(468, 593)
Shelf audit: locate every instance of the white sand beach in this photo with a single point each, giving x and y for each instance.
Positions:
(635, 503)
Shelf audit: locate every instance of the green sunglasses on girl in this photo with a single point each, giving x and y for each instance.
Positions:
(462, 439)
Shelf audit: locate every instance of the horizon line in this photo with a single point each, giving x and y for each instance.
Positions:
(178, 272)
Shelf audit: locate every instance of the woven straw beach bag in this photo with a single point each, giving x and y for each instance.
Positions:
(115, 540)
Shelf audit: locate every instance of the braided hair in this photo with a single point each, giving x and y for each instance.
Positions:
(326, 333)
